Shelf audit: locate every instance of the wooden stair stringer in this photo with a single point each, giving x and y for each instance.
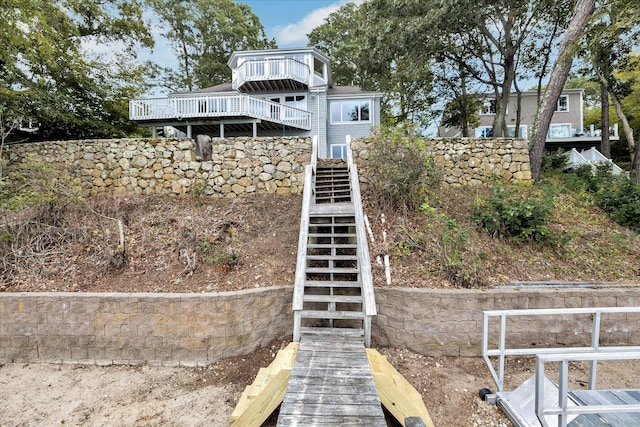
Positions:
(266, 393)
(396, 394)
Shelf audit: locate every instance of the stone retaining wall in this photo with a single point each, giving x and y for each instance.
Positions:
(170, 166)
(161, 329)
(196, 329)
(469, 161)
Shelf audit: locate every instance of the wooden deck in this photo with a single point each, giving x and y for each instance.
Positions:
(331, 384)
(606, 397)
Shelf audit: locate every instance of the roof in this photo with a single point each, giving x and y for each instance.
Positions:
(224, 87)
(349, 90)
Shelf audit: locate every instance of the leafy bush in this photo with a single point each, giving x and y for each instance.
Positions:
(521, 212)
(402, 175)
(617, 195)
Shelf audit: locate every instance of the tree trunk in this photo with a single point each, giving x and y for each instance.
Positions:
(583, 9)
(605, 144)
(516, 133)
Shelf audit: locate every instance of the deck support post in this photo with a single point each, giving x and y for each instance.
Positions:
(255, 129)
(189, 131)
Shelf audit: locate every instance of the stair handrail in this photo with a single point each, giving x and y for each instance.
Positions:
(301, 262)
(368, 297)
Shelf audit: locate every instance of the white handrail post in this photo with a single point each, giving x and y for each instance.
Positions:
(595, 344)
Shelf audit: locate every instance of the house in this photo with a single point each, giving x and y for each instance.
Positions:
(565, 131)
(277, 92)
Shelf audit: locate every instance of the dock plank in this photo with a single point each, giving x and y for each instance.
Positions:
(606, 397)
(331, 384)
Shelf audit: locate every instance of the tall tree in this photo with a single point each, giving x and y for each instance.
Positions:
(490, 39)
(367, 50)
(583, 10)
(613, 37)
(48, 74)
(203, 34)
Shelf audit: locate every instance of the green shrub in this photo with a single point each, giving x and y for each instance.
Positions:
(402, 176)
(521, 212)
(617, 195)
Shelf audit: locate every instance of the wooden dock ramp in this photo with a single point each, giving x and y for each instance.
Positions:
(331, 384)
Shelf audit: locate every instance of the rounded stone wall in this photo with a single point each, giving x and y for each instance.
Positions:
(171, 166)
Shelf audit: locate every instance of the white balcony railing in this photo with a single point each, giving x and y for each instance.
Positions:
(241, 105)
(271, 69)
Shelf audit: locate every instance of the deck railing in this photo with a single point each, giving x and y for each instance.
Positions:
(563, 411)
(301, 262)
(240, 105)
(271, 69)
(501, 352)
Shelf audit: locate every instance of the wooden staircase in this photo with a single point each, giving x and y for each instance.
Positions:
(333, 275)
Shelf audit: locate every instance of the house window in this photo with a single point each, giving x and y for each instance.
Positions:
(521, 134)
(560, 131)
(318, 67)
(295, 101)
(484, 132)
(338, 151)
(563, 104)
(488, 107)
(350, 111)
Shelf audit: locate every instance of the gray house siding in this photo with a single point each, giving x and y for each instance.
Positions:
(337, 133)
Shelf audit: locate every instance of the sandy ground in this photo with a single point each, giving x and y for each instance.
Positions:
(71, 395)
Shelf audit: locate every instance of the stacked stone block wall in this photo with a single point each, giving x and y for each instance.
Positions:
(170, 166)
(196, 329)
(467, 161)
(161, 329)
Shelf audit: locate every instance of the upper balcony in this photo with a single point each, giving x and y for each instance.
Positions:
(272, 75)
(218, 107)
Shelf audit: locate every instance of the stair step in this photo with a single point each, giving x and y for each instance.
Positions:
(323, 185)
(335, 270)
(332, 283)
(333, 298)
(323, 314)
(332, 210)
(332, 235)
(332, 224)
(334, 191)
(342, 332)
(331, 246)
(333, 257)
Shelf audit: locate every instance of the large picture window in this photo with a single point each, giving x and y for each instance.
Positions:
(560, 131)
(350, 111)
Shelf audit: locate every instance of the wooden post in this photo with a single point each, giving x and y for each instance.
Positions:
(414, 422)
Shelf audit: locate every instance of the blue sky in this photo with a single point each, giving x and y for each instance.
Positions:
(290, 20)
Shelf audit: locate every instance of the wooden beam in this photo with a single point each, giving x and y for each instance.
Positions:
(263, 383)
(260, 407)
(400, 398)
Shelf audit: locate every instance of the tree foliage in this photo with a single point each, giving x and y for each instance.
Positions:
(367, 50)
(203, 34)
(49, 75)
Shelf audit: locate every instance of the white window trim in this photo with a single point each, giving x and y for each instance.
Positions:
(351, 122)
(331, 146)
(557, 110)
(486, 105)
(482, 127)
(559, 125)
(525, 131)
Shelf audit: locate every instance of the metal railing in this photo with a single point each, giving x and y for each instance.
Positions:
(562, 411)
(301, 261)
(271, 69)
(368, 297)
(502, 351)
(240, 105)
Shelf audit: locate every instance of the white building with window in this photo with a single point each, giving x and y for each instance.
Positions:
(566, 130)
(277, 92)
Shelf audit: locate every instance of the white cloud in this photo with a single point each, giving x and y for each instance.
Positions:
(295, 35)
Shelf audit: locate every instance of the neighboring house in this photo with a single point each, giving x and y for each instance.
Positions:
(278, 92)
(565, 131)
